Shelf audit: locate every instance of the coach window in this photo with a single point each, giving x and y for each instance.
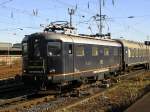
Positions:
(24, 48)
(129, 53)
(79, 51)
(141, 52)
(94, 51)
(132, 52)
(54, 48)
(145, 53)
(138, 52)
(106, 51)
(135, 52)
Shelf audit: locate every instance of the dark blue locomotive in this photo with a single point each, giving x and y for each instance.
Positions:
(57, 58)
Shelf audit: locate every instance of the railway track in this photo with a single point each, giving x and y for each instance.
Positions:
(90, 97)
(23, 101)
(59, 103)
(13, 90)
(10, 84)
(5, 102)
(66, 103)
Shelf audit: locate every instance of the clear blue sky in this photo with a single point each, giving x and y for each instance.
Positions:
(17, 18)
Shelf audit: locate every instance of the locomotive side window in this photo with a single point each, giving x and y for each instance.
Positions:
(54, 48)
(79, 51)
(101, 51)
(70, 49)
(94, 51)
(106, 51)
(24, 48)
(115, 51)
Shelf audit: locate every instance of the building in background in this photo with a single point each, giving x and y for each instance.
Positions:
(10, 53)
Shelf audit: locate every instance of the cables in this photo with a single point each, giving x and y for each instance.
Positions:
(5, 2)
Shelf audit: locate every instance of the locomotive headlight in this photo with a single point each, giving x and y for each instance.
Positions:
(52, 71)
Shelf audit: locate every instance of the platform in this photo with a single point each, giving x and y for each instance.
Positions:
(142, 105)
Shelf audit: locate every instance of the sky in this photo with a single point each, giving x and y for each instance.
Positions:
(128, 19)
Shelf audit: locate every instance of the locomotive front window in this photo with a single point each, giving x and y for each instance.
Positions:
(54, 48)
(24, 48)
(36, 49)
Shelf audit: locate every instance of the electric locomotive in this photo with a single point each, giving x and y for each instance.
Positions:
(57, 57)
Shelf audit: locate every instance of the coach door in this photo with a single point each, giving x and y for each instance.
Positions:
(69, 59)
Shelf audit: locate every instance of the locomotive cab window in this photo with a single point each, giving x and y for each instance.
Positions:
(36, 48)
(24, 48)
(54, 48)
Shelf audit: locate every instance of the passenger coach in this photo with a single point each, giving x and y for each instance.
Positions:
(134, 54)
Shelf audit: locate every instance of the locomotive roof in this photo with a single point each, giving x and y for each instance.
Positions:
(81, 39)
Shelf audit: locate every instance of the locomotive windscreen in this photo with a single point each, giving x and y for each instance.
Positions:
(36, 48)
(24, 48)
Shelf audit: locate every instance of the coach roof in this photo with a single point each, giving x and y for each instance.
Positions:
(132, 44)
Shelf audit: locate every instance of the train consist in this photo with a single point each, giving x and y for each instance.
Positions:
(59, 58)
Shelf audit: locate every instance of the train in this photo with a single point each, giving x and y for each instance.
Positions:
(59, 58)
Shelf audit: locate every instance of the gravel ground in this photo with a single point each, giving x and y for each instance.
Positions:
(142, 105)
(10, 71)
(118, 99)
(112, 100)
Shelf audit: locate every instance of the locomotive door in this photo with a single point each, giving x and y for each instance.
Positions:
(69, 63)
